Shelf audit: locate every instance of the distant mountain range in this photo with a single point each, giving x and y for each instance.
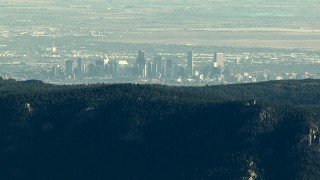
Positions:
(264, 130)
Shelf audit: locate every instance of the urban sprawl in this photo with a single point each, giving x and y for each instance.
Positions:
(54, 65)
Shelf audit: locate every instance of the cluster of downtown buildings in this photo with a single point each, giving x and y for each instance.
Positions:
(157, 70)
(163, 64)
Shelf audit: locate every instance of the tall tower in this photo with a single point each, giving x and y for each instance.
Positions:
(100, 67)
(141, 63)
(158, 64)
(91, 70)
(169, 69)
(80, 69)
(100, 62)
(54, 72)
(150, 70)
(218, 59)
(190, 63)
(69, 68)
(114, 69)
(217, 68)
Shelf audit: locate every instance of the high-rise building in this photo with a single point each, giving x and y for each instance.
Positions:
(181, 72)
(218, 59)
(113, 69)
(190, 63)
(54, 72)
(69, 68)
(169, 69)
(141, 63)
(150, 70)
(100, 62)
(158, 64)
(140, 59)
(100, 67)
(91, 70)
(80, 68)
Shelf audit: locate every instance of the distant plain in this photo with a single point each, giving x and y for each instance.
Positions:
(286, 24)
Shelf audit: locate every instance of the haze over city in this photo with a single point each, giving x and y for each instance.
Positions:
(38, 37)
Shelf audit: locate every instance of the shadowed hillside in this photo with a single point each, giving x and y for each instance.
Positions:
(260, 131)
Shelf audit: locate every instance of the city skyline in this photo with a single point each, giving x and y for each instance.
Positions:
(172, 69)
(258, 41)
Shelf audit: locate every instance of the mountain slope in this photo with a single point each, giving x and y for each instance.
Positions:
(263, 131)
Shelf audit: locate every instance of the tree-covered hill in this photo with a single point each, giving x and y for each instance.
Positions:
(123, 131)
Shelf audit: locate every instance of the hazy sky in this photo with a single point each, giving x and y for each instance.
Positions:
(271, 13)
(170, 21)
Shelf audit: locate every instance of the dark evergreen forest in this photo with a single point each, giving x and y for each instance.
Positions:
(263, 130)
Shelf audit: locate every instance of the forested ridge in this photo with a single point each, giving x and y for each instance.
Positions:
(263, 130)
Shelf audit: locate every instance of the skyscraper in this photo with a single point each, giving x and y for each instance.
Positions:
(158, 64)
(218, 59)
(100, 67)
(80, 68)
(54, 72)
(141, 63)
(169, 69)
(91, 70)
(190, 63)
(100, 62)
(150, 70)
(69, 68)
(113, 68)
(217, 68)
